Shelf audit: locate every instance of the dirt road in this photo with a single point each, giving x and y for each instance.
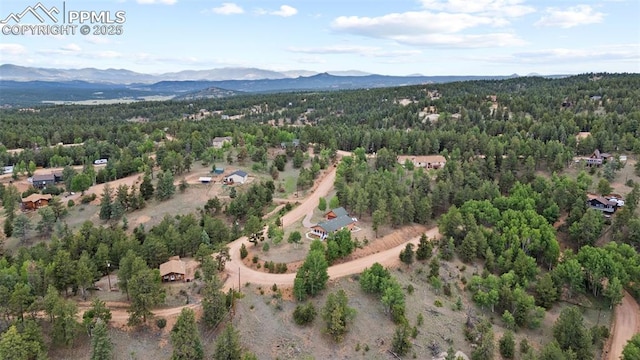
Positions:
(235, 267)
(120, 316)
(312, 200)
(626, 323)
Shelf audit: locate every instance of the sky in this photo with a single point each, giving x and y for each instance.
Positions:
(391, 37)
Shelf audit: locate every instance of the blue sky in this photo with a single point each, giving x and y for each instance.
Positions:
(394, 37)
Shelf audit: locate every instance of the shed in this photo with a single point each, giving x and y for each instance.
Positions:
(236, 177)
(218, 171)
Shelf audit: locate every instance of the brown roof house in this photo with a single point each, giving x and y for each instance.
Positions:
(36, 201)
(424, 161)
(337, 212)
(174, 270)
(603, 204)
(597, 158)
(338, 219)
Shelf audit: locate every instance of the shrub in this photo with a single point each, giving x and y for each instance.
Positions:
(274, 288)
(281, 268)
(524, 346)
(243, 252)
(410, 289)
(161, 323)
(437, 303)
(255, 259)
(304, 314)
(53, 190)
(70, 203)
(265, 247)
(87, 198)
(29, 191)
(507, 345)
(447, 289)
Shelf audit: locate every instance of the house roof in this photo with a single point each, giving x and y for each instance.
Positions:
(37, 197)
(336, 224)
(219, 139)
(239, 173)
(338, 212)
(172, 266)
(598, 155)
(422, 159)
(43, 177)
(604, 201)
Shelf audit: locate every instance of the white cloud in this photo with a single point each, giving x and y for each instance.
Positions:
(12, 49)
(609, 53)
(98, 40)
(165, 2)
(507, 8)
(443, 23)
(408, 23)
(463, 40)
(572, 16)
(369, 51)
(71, 48)
(108, 54)
(426, 28)
(285, 11)
(311, 60)
(228, 9)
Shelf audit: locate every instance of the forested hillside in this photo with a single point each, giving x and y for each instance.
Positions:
(518, 234)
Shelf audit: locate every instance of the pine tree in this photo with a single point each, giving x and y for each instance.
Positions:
(228, 345)
(401, 340)
(507, 345)
(106, 203)
(406, 255)
(214, 306)
(165, 188)
(425, 248)
(101, 346)
(146, 187)
(337, 315)
(21, 227)
(185, 338)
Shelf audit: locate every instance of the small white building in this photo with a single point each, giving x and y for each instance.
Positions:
(236, 177)
(7, 169)
(205, 179)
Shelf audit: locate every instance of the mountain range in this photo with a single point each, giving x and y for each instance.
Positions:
(124, 76)
(26, 86)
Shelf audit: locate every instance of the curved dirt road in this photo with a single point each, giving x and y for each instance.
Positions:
(626, 323)
(235, 266)
(312, 200)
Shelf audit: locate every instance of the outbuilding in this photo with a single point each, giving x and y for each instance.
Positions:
(236, 177)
